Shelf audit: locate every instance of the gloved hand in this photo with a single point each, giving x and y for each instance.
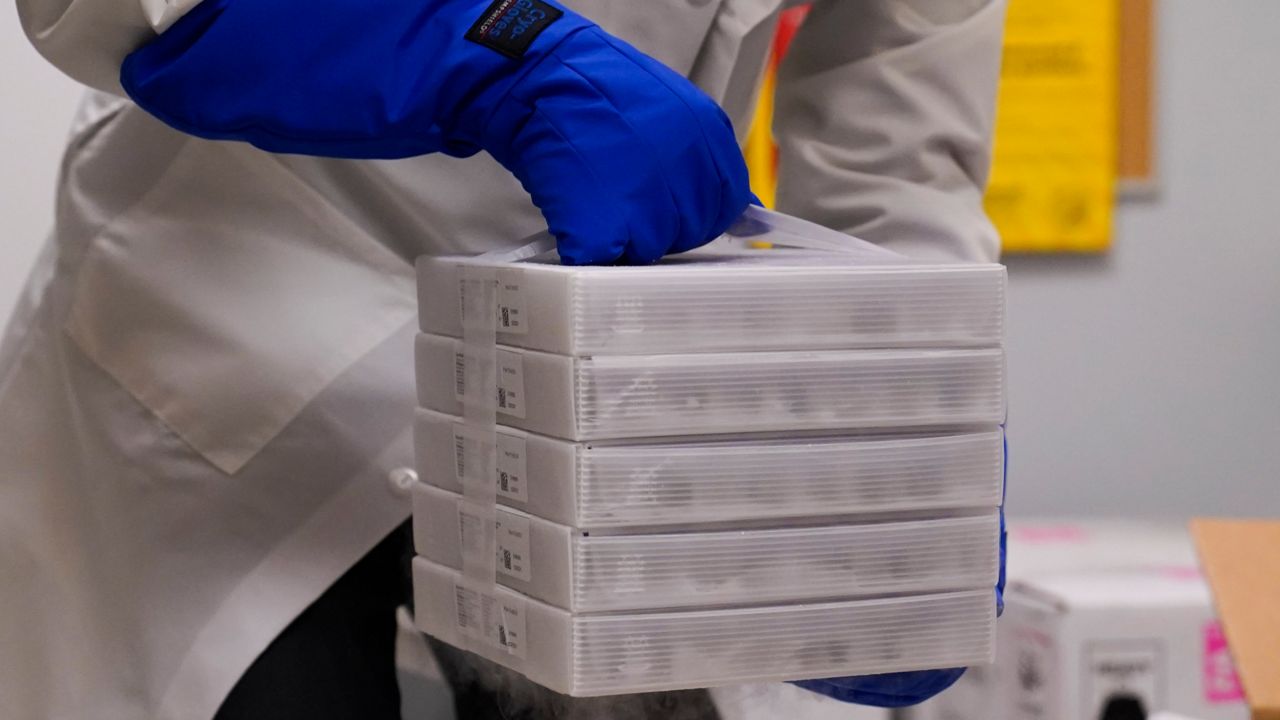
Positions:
(892, 690)
(625, 158)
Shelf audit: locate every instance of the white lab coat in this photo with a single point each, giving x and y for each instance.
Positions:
(208, 381)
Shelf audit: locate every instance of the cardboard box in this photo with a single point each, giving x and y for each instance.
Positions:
(1242, 560)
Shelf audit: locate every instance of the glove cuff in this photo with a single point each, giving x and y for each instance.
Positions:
(892, 690)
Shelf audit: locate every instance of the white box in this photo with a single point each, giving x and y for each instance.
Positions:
(628, 483)
(1097, 611)
(729, 299)
(718, 393)
(593, 571)
(1104, 644)
(613, 653)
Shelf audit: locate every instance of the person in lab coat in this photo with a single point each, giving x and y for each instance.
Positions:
(206, 390)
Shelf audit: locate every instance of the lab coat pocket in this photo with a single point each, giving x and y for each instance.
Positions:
(230, 295)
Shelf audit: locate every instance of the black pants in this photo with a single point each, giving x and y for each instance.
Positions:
(336, 661)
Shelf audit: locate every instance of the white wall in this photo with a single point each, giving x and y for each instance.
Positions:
(37, 104)
(1145, 381)
(1148, 381)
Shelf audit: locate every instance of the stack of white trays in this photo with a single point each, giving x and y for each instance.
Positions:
(736, 465)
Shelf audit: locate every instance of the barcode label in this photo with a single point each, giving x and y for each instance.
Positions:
(468, 604)
(459, 455)
(512, 315)
(510, 543)
(511, 383)
(513, 546)
(510, 372)
(471, 447)
(509, 307)
(511, 464)
(496, 621)
(512, 468)
(470, 530)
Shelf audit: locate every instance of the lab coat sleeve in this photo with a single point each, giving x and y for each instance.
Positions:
(884, 120)
(626, 159)
(89, 39)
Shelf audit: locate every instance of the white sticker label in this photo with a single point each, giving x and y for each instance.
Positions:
(512, 314)
(513, 624)
(510, 380)
(511, 466)
(511, 383)
(497, 622)
(511, 540)
(513, 546)
(510, 310)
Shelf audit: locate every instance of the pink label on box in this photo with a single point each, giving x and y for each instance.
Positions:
(1049, 534)
(1221, 684)
(1182, 572)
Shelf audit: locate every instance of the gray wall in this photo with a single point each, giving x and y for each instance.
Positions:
(1148, 380)
(37, 104)
(1144, 381)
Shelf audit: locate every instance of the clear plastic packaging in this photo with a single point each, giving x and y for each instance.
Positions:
(718, 393)
(728, 298)
(588, 571)
(606, 484)
(614, 653)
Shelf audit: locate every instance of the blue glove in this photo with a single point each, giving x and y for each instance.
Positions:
(626, 159)
(901, 689)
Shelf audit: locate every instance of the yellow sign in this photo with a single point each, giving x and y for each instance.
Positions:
(1052, 185)
(760, 151)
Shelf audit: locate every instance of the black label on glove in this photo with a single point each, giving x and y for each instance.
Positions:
(510, 26)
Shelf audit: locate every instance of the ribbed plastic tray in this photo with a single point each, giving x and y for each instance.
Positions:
(715, 393)
(588, 571)
(606, 484)
(605, 654)
(727, 299)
